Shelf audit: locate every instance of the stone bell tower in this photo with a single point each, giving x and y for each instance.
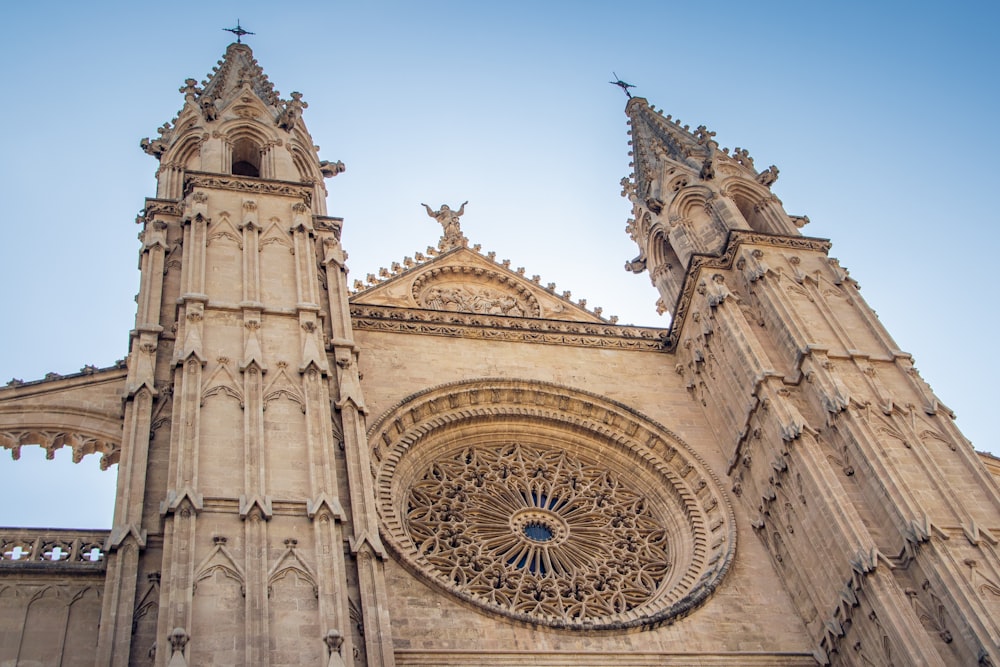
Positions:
(875, 510)
(243, 474)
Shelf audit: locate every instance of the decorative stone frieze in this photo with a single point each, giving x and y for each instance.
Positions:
(459, 278)
(194, 179)
(493, 327)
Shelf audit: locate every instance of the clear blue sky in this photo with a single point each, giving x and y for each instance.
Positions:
(882, 120)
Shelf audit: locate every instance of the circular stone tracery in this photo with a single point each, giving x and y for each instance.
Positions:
(522, 518)
(539, 502)
(537, 531)
(539, 525)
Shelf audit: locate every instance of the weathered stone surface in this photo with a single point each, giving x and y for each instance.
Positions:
(452, 464)
(51, 583)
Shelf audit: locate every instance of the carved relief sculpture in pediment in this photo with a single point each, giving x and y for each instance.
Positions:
(482, 292)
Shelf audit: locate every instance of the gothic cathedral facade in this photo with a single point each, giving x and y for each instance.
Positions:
(312, 472)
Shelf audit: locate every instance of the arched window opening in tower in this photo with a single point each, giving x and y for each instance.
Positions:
(246, 158)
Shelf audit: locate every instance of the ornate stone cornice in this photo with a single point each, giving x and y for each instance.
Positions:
(326, 223)
(724, 260)
(515, 329)
(51, 381)
(154, 207)
(260, 186)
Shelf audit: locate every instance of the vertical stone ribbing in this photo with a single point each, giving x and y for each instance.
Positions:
(255, 546)
(325, 509)
(222, 454)
(887, 494)
(129, 535)
(251, 252)
(183, 502)
(306, 287)
(889, 432)
(255, 501)
(364, 539)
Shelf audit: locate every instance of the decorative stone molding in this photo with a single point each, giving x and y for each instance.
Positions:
(724, 260)
(493, 327)
(259, 186)
(156, 207)
(325, 223)
(471, 286)
(86, 373)
(51, 440)
(550, 505)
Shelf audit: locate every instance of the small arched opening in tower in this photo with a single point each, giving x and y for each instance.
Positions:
(246, 158)
(749, 212)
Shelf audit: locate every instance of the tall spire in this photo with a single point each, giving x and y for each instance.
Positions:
(660, 142)
(813, 404)
(688, 195)
(234, 122)
(238, 68)
(238, 243)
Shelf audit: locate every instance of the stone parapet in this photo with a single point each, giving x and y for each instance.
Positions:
(52, 550)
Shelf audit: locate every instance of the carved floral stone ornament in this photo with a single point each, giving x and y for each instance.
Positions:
(550, 505)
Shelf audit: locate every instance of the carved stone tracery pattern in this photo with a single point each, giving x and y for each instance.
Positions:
(549, 505)
(80, 442)
(53, 547)
(538, 531)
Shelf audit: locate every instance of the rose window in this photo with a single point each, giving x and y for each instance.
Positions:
(549, 505)
(538, 531)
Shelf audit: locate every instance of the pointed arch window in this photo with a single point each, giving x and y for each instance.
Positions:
(746, 208)
(246, 158)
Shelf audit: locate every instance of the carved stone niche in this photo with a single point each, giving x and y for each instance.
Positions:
(550, 505)
(457, 289)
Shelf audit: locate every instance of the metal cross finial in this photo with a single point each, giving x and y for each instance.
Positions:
(621, 84)
(238, 31)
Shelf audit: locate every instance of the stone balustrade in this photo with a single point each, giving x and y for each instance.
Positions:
(33, 548)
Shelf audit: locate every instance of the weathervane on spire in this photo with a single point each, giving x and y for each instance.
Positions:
(621, 84)
(240, 32)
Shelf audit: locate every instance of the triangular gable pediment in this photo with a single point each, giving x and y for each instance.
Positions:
(223, 230)
(464, 281)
